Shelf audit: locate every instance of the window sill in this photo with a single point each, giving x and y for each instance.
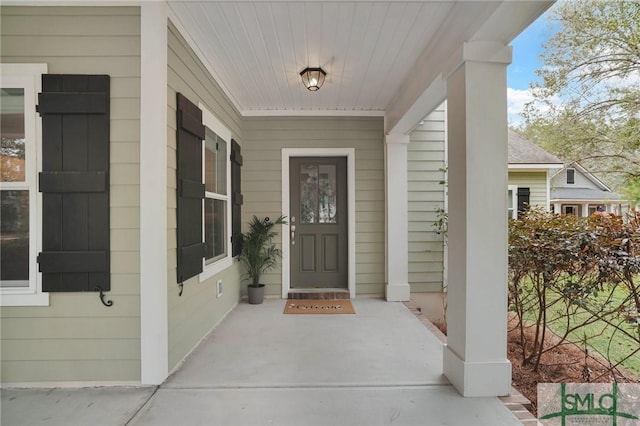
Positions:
(215, 268)
(39, 299)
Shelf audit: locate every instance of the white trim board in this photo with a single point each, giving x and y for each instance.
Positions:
(312, 113)
(350, 153)
(534, 167)
(154, 340)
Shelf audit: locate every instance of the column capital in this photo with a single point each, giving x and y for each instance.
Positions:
(478, 51)
(486, 51)
(396, 139)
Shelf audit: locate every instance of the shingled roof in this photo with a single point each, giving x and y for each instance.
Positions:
(522, 151)
(583, 194)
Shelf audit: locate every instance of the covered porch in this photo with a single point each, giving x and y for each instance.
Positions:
(390, 65)
(459, 53)
(379, 366)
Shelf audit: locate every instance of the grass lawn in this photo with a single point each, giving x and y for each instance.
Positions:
(601, 337)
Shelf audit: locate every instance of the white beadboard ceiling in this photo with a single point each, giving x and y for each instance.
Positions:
(256, 49)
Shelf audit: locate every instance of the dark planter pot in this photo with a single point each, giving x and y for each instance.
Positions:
(256, 294)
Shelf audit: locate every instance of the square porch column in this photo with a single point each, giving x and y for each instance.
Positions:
(397, 218)
(557, 208)
(475, 358)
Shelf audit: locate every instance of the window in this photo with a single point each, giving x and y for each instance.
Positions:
(20, 201)
(216, 172)
(215, 180)
(571, 176)
(570, 210)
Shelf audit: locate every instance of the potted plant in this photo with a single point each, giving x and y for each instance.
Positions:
(259, 253)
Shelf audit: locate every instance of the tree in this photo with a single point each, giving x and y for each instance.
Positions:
(593, 66)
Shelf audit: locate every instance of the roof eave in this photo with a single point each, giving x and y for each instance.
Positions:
(536, 166)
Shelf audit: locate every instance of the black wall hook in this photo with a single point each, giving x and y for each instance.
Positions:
(106, 303)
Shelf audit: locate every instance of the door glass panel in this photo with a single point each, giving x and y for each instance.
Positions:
(327, 194)
(308, 193)
(14, 239)
(12, 145)
(318, 193)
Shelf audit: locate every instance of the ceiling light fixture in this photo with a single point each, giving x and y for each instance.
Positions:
(313, 78)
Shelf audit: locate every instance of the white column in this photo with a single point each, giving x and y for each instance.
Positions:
(557, 208)
(397, 218)
(547, 208)
(475, 358)
(585, 209)
(153, 189)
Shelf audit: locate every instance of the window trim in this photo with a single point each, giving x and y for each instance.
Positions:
(571, 171)
(222, 263)
(28, 76)
(513, 209)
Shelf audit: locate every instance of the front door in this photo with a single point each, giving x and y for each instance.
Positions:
(318, 222)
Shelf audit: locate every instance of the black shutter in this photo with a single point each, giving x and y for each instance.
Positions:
(236, 198)
(189, 136)
(75, 182)
(523, 200)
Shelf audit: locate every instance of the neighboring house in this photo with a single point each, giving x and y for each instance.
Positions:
(576, 191)
(530, 171)
(162, 127)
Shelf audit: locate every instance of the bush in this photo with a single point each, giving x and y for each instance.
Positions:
(570, 271)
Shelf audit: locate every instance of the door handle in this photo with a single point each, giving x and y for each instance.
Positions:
(293, 235)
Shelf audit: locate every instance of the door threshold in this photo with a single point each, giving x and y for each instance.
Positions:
(319, 293)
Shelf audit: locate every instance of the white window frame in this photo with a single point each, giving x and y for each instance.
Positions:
(573, 206)
(514, 201)
(29, 77)
(215, 125)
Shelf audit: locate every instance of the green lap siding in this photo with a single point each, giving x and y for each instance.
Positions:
(76, 338)
(426, 159)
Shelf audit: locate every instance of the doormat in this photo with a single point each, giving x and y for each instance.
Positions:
(307, 306)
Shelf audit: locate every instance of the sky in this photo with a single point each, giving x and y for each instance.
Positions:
(527, 48)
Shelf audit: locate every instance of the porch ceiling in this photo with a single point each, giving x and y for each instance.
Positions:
(373, 51)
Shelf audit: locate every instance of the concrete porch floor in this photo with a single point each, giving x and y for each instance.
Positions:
(380, 366)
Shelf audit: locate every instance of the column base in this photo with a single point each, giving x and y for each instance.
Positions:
(398, 292)
(477, 379)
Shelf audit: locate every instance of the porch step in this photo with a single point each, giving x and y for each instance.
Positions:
(319, 293)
